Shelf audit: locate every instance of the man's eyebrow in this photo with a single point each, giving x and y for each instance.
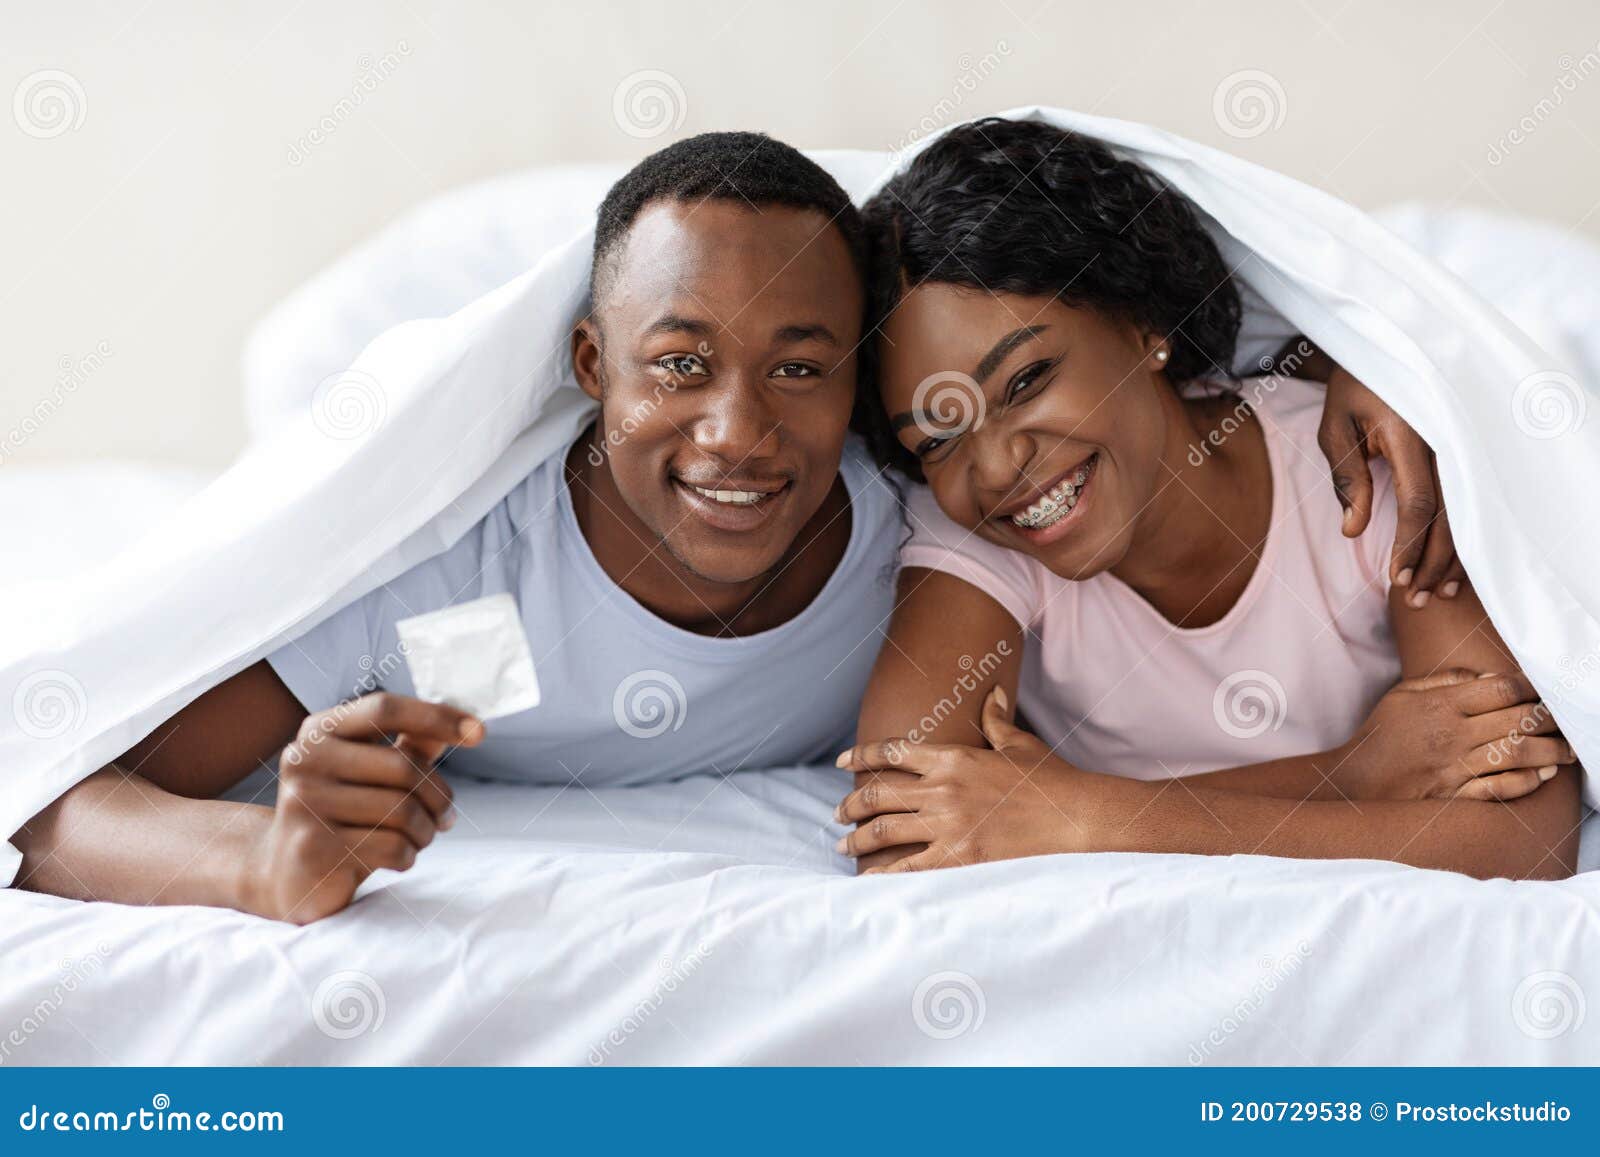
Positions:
(1002, 349)
(813, 332)
(673, 323)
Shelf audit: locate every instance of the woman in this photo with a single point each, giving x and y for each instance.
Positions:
(1144, 554)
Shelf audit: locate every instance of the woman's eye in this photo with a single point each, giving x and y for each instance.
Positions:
(1028, 379)
(683, 365)
(933, 449)
(795, 370)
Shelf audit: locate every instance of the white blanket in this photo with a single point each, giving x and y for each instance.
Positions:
(707, 922)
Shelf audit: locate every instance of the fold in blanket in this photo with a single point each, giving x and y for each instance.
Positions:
(451, 413)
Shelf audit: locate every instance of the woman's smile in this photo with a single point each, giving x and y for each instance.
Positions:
(1052, 513)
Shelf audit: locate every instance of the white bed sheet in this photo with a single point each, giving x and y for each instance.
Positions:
(707, 921)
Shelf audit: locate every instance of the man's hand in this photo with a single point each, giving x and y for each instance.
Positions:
(1358, 425)
(357, 791)
(1454, 734)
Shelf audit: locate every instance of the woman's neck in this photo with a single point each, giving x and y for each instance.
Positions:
(1200, 539)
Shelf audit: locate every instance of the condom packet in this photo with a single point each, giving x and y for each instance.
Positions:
(473, 656)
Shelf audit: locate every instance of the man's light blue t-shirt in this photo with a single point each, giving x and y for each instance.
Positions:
(627, 697)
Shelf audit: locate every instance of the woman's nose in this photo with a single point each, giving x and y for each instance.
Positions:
(1001, 456)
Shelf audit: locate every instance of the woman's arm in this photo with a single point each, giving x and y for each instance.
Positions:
(969, 805)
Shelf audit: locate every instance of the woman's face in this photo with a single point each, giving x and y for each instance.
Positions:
(1040, 426)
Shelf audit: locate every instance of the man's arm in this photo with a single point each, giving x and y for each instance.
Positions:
(357, 792)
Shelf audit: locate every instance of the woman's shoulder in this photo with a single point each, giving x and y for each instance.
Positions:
(1019, 583)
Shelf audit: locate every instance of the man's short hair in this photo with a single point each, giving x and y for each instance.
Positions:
(748, 167)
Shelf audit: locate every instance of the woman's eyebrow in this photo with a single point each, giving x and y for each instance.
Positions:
(1002, 349)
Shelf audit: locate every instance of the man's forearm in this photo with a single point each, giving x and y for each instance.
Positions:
(1535, 837)
(120, 838)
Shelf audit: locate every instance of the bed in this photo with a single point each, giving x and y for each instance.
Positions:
(708, 921)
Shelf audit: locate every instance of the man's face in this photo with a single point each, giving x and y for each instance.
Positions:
(723, 355)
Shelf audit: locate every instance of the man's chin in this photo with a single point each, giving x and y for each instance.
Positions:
(730, 565)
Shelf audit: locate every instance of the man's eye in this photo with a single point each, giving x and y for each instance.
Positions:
(683, 365)
(795, 370)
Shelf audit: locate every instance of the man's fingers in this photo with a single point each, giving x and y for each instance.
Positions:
(1489, 693)
(877, 798)
(887, 831)
(346, 805)
(1523, 719)
(374, 848)
(1506, 785)
(1510, 754)
(1416, 500)
(385, 714)
(1449, 677)
(1341, 444)
(374, 765)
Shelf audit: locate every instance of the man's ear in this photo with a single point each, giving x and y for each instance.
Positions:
(586, 357)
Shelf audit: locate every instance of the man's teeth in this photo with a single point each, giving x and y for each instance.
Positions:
(730, 497)
(1056, 504)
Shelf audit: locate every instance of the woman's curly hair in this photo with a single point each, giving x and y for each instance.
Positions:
(1024, 208)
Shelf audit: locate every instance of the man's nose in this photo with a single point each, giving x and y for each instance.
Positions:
(736, 424)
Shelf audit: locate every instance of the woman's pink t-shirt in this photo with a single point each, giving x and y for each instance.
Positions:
(1292, 668)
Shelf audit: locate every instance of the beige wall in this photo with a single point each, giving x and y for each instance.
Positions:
(140, 243)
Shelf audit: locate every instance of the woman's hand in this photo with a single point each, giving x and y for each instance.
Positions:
(357, 791)
(968, 804)
(1358, 425)
(1453, 734)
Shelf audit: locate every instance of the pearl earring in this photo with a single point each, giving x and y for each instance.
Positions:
(1161, 356)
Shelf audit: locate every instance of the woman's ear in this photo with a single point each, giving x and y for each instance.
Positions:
(1158, 351)
(586, 357)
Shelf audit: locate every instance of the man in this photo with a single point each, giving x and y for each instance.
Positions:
(703, 578)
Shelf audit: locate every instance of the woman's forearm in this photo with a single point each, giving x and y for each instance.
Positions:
(120, 838)
(1300, 777)
(1535, 837)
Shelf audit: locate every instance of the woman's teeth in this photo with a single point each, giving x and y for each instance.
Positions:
(1057, 502)
(730, 497)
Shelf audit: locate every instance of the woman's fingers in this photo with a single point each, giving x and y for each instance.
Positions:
(886, 831)
(1340, 440)
(921, 862)
(1506, 785)
(894, 755)
(877, 798)
(1527, 751)
(1493, 693)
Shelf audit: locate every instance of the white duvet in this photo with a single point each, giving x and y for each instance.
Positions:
(706, 920)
